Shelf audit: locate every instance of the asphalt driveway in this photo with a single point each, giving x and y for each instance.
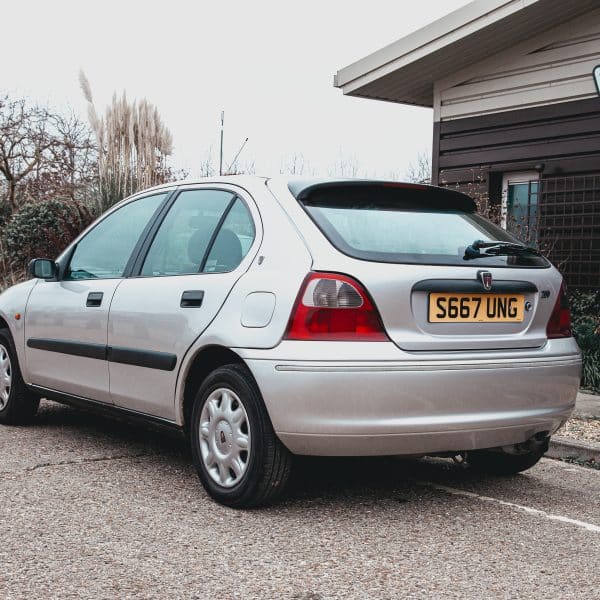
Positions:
(93, 508)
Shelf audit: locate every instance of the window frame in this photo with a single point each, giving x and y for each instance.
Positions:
(515, 178)
(64, 260)
(236, 194)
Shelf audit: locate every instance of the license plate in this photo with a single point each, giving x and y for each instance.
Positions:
(476, 308)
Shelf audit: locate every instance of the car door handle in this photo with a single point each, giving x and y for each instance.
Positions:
(94, 299)
(191, 298)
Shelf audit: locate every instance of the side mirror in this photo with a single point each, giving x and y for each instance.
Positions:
(43, 268)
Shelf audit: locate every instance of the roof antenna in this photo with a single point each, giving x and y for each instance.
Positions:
(236, 156)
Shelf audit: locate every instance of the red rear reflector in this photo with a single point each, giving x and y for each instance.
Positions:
(336, 308)
(559, 325)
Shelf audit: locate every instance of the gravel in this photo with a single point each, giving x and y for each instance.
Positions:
(581, 429)
(92, 508)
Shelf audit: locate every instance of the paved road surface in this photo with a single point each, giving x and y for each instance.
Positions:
(91, 508)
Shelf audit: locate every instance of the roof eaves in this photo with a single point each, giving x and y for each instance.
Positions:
(419, 44)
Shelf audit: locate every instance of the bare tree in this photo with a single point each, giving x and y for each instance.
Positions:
(293, 164)
(248, 167)
(25, 142)
(344, 166)
(75, 157)
(419, 171)
(69, 170)
(207, 168)
(43, 155)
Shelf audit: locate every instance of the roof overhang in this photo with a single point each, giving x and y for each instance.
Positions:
(406, 70)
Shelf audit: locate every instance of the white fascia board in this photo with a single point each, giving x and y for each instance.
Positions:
(433, 37)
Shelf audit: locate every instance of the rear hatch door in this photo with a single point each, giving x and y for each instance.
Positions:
(406, 245)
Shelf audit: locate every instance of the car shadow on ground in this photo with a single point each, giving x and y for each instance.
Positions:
(323, 481)
(313, 478)
(374, 476)
(81, 422)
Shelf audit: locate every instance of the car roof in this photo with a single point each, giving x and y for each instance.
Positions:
(235, 179)
(302, 187)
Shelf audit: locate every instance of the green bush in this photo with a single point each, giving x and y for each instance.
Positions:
(43, 230)
(585, 312)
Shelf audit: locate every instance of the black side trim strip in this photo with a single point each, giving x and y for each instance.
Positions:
(103, 408)
(473, 285)
(151, 359)
(67, 347)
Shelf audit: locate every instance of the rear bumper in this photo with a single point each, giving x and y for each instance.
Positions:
(362, 408)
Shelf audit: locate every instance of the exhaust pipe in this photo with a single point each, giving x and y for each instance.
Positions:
(538, 443)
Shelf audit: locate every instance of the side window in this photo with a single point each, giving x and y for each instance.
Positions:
(103, 253)
(183, 238)
(189, 242)
(232, 242)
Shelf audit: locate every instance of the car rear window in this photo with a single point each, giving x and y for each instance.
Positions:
(413, 225)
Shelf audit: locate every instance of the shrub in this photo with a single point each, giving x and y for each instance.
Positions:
(43, 230)
(585, 309)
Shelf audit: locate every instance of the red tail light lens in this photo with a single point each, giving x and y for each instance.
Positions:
(559, 325)
(336, 308)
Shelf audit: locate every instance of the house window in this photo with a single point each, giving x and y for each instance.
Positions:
(520, 205)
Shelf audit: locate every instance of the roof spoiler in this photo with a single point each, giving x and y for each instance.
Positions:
(395, 193)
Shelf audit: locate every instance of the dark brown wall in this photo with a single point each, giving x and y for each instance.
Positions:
(564, 138)
(562, 142)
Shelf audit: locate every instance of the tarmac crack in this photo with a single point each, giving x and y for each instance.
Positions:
(80, 461)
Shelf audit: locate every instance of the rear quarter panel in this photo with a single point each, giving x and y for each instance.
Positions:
(278, 269)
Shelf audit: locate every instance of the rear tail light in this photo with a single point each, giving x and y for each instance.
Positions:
(559, 325)
(336, 308)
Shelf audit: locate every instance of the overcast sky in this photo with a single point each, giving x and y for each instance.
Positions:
(269, 64)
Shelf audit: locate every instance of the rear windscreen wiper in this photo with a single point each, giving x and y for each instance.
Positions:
(497, 248)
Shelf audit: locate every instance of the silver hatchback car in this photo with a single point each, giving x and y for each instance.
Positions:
(266, 318)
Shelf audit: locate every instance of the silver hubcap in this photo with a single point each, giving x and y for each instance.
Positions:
(224, 437)
(5, 377)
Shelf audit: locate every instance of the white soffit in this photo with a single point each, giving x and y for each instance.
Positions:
(406, 70)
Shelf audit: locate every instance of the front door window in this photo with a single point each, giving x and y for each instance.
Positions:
(105, 250)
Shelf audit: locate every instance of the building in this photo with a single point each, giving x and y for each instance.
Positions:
(516, 115)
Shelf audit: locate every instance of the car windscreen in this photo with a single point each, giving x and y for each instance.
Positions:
(409, 225)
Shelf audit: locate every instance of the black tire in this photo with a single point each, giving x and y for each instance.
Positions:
(502, 463)
(22, 404)
(268, 462)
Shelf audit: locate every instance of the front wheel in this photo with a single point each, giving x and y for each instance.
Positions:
(239, 459)
(18, 405)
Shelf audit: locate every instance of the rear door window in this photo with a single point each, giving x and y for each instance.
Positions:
(406, 225)
(232, 241)
(207, 231)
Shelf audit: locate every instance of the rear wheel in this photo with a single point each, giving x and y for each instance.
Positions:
(502, 463)
(239, 459)
(18, 405)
